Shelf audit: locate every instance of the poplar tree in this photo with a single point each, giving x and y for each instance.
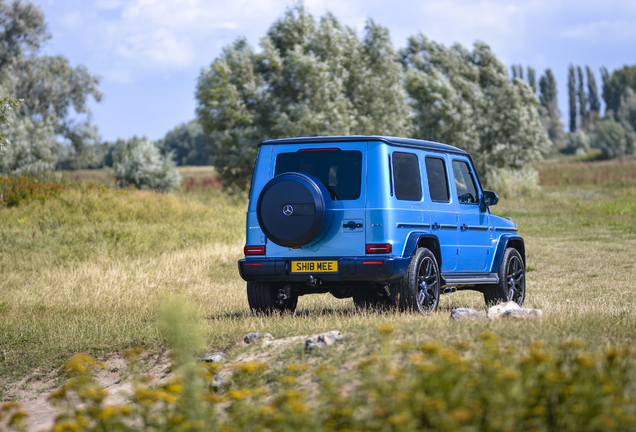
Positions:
(532, 79)
(549, 108)
(615, 85)
(572, 97)
(583, 114)
(592, 94)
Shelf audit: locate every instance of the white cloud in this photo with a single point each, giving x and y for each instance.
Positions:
(617, 30)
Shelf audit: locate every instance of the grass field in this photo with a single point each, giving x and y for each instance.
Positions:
(85, 272)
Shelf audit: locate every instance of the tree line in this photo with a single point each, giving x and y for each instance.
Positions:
(309, 77)
(611, 134)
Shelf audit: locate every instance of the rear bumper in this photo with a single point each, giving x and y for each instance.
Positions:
(374, 269)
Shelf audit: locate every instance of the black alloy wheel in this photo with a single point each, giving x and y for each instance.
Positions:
(512, 280)
(419, 289)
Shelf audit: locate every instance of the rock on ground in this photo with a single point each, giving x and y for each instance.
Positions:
(216, 357)
(523, 313)
(511, 309)
(322, 339)
(253, 337)
(467, 314)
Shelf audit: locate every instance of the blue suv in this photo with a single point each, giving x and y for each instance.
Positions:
(385, 220)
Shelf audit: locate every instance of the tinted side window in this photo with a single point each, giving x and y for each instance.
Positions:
(466, 189)
(437, 179)
(340, 171)
(406, 172)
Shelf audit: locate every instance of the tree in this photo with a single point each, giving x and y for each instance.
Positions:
(572, 97)
(615, 85)
(53, 91)
(139, 163)
(549, 108)
(7, 104)
(312, 78)
(592, 93)
(626, 116)
(188, 144)
(532, 79)
(583, 114)
(466, 99)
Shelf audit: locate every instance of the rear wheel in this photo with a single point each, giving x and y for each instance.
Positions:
(267, 298)
(419, 288)
(512, 280)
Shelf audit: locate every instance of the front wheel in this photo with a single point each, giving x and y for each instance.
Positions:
(512, 280)
(419, 288)
(266, 298)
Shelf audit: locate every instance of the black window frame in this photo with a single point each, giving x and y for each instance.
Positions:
(428, 179)
(419, 176)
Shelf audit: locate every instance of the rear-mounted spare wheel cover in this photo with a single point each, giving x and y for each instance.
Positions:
(294, 209)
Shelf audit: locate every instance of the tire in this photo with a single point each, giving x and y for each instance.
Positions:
(419, 288)
(370, 298)
(512, 280)
(264, 298)
(294, 209)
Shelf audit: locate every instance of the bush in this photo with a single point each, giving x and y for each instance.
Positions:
(469, 386)
(511, 183)
(140, 164)
(578, 144)
(611, 138)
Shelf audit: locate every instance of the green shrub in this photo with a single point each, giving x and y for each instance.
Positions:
(141, 165)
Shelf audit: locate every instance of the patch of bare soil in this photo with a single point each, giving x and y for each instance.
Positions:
(34, 390)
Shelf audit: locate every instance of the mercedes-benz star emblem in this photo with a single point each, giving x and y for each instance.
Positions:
(288, 210)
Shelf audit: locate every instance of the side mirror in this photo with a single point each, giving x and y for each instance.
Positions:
(488, 199)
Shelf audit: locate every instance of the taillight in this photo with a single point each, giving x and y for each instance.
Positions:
(254, 250)
(372, 262)
(379, 248)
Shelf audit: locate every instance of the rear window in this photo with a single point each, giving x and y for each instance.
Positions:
(339, 170)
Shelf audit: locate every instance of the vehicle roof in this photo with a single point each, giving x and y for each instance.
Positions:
(401, 142)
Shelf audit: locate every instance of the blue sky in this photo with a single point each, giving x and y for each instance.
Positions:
(149, 53)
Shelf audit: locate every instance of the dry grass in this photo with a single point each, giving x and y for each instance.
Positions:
(85, 274)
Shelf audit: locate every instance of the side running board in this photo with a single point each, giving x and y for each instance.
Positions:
(470, 278)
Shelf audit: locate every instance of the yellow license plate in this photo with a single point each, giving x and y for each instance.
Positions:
(314, 267)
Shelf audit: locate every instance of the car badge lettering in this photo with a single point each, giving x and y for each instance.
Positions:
(288, 210)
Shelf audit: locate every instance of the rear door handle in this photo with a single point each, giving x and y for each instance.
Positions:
(436, 226)
(352, 225)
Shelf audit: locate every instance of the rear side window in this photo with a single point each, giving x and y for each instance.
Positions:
(437, 179)
(466, 189)
(340, 171)
(406, 172)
